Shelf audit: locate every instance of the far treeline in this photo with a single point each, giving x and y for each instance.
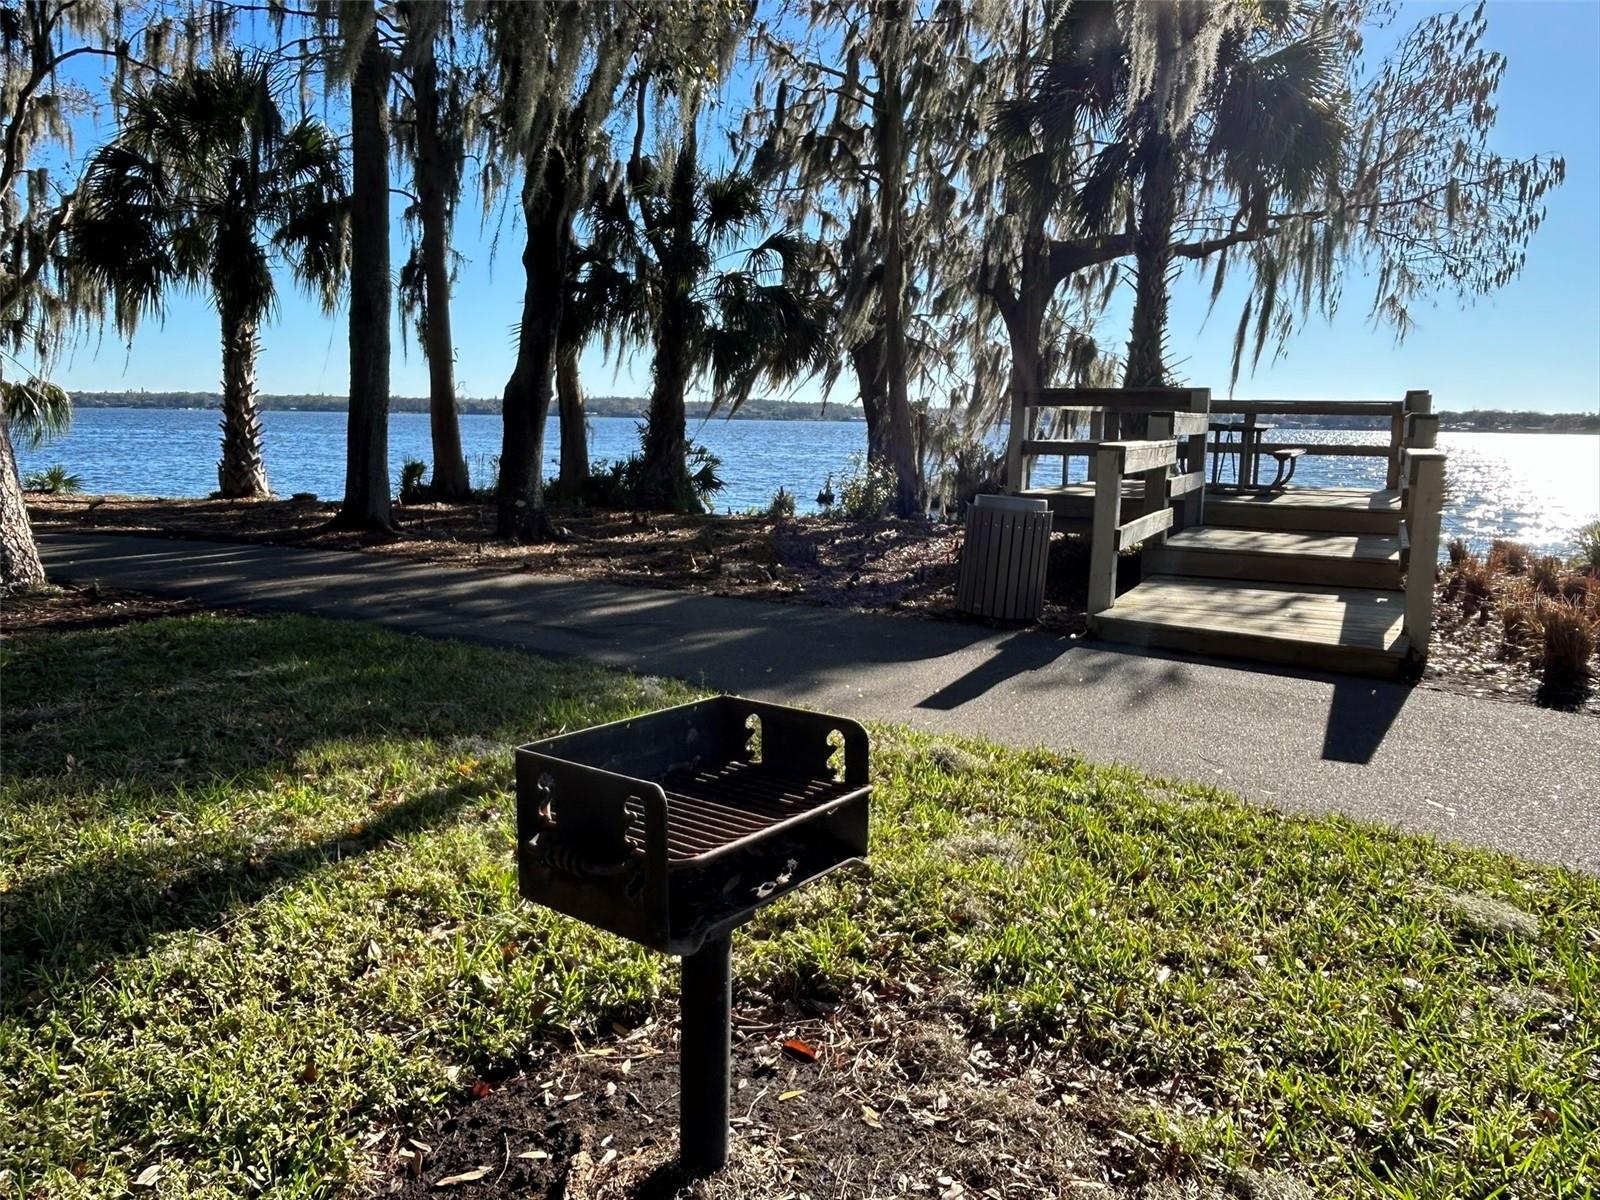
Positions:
(595, 406)
(929, 206)
(1486, 420)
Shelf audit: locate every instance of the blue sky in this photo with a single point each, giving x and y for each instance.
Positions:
(1535, 344)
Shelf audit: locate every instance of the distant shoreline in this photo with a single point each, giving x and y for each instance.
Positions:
(595, 406)
(1474, 421)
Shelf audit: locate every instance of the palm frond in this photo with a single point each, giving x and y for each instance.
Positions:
(35, 409)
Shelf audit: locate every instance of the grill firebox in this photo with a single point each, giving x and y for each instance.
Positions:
(671, 829)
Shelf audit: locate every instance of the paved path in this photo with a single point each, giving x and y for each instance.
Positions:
(1495, 774)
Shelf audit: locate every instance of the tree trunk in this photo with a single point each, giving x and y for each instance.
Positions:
(520, 511)
(241, 474)
(889, 128)
(434, 199)
(664, 474)
(1152, 252)
(867, 359)
(574, 422)
(20, 569)
(366, 481)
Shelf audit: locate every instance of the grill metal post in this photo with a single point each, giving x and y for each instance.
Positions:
(706, 1011)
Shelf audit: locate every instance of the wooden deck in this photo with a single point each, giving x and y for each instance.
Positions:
(1356, 630)
(1308, 510)
(1279, 556)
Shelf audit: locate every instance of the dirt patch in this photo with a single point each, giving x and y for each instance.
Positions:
(897, 1103)
(66, 607)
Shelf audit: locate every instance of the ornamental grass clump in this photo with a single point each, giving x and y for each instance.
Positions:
(1458, 551)
(1474, 580)
(1545, 575)
(1569, 644)
(1519, 623)
(1510, 557)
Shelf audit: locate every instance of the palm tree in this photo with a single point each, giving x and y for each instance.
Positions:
(207, 185)
(33, 410)
(1220, 101)
(653, 274)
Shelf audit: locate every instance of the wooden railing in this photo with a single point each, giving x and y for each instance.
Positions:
(1399, 413)
(1096, 405)
(1422, 504)
(1150, 462)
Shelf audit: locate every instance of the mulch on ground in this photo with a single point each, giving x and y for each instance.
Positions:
(890, 1099)
(900, 567)
(66, 607)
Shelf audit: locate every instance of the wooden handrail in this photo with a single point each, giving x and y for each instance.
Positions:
(1133, 457)
(1309, 408)
(1424, 501)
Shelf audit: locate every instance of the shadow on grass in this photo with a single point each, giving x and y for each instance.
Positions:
(137, 738)
(64, 924)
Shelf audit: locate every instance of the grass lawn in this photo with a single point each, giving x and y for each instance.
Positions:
(259, 906)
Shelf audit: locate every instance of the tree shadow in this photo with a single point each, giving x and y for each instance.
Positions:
(62, 925)
(1022, 652)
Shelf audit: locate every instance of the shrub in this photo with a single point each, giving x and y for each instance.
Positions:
(866, 490)
(1588, 540)
(1508, 556)
(54, 479)
(1545, 575)
(1569, 642)
(1458, 551)
(615, 484)
(1581, 591)
(970, 467)
(413, 489)
(781, 506)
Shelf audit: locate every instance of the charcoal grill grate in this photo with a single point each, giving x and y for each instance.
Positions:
(672, 829)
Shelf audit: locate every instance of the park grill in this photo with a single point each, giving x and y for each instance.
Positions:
(671, 829)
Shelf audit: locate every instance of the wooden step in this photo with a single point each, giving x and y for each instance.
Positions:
(1308, 510)
(1369, 560)
(1352, 630)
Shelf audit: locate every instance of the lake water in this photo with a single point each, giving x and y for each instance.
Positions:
(1536, 488)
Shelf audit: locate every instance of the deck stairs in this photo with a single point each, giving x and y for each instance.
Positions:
(1306, 576)
(1292, 578)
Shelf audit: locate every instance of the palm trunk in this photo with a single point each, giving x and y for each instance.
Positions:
(366, 484)
(663, 474)
(899, 445)
(434, 173)
(20, 568)
(574, 422)
(242, 473)
(1152, 251)
(520, 508)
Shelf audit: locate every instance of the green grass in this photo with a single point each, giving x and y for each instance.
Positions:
(258, 894)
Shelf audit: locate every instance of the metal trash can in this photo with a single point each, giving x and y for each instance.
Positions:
(1004, 558)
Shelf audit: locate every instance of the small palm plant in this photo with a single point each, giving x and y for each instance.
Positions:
(54, 480)
(208, 185)
(652, 276)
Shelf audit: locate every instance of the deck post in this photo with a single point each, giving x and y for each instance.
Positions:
(1107, 516)
(1016, 463)
(1417, 401)
(1424, 501)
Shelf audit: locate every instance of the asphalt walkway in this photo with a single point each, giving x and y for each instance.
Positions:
(1496, 774)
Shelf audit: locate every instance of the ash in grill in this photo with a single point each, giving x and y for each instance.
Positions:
(672, 829)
